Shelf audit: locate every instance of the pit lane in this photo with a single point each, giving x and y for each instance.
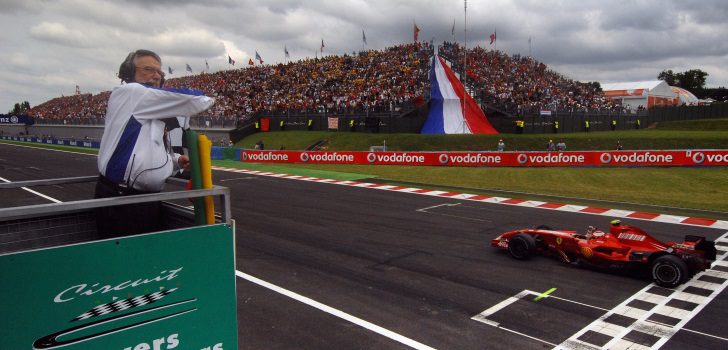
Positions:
(378, 256)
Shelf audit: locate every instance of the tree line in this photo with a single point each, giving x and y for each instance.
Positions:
(693, 80)
(20, 108)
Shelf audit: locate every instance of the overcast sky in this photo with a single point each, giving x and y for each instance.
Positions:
(50, 46)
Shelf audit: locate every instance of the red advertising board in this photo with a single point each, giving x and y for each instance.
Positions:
(488, 159)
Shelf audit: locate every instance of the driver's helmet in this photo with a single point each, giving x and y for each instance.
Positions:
(590, 231)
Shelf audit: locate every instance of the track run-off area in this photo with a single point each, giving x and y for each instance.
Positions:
(343, 264)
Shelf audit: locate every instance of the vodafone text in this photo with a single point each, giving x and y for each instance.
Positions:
(643, 158)
(475, 159)
(556, 158)
(717, 158)
(271, 156)
(331, 157)
(400, 158)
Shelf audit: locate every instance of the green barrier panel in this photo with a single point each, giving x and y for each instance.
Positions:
(166, 290)
(195, 175)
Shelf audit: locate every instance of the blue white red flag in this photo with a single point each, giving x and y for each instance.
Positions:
(448, 114)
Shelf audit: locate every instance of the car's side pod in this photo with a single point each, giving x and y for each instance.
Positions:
(708, 247)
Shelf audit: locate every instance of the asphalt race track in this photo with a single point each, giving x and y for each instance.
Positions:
(406, 270)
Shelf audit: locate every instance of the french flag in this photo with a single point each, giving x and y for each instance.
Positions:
(447, 115)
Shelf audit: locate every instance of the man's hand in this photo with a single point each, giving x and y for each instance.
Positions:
(184, 162)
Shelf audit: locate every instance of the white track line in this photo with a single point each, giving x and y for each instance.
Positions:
(36, 193)
(49, 149)
(338, 313)
(482, 317)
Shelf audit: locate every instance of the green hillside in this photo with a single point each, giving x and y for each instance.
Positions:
(705, 134)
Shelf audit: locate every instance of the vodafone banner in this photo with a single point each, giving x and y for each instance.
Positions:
(485, 159)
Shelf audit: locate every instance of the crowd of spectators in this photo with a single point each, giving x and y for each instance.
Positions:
(373, 80)
(74, 109)
(518, 83)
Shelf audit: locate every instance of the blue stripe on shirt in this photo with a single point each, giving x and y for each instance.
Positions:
(184, 91)
(116, 167)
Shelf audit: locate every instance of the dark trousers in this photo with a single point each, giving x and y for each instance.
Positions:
(125, 220)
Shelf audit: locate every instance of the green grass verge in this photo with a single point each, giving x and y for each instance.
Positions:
(55, 147)
(711, 134)
(691, 125)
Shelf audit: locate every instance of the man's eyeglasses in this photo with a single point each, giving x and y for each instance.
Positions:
(151, 70)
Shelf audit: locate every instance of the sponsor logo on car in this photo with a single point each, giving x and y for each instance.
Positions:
(587, 252)
(631, 237)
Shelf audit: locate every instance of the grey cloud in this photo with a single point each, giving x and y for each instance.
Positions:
(58, 33)
(20, 6)
(617, 40)
(167, 4)
(190, 43)
(642, 16)
(705, 11)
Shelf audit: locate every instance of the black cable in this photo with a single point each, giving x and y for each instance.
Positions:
(145, 170)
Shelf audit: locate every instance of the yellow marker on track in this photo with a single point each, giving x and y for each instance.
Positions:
(544, 294)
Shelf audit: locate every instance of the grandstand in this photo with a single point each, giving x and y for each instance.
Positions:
(393, 81)
(520, 84)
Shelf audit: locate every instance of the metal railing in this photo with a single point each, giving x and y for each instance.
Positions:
(31, 211)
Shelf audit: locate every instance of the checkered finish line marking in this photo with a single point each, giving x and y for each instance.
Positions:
(614, 213)
(483, 316)
(648, 319)
(123, 304)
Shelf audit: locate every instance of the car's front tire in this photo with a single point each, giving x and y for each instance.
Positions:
(521, 246)
(669, 271)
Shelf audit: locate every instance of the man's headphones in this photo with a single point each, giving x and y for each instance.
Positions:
(127, 69)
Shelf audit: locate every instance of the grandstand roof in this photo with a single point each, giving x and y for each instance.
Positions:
(686, 97)
(649, 84)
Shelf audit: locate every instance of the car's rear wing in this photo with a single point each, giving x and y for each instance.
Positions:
(702, 244)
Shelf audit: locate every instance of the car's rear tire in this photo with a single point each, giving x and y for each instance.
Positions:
(669, 271)
(521, 246)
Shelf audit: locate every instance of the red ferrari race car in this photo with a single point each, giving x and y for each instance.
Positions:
(670, 263)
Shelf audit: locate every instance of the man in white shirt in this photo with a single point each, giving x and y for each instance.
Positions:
(135, 156)
(501, 145)
(561, 146)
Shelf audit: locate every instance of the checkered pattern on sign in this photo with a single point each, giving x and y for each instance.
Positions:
(123, 304)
